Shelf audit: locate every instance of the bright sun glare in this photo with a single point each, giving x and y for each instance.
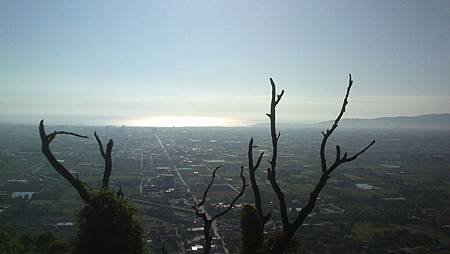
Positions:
(184, 121)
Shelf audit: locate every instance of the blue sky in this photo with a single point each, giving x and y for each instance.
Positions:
(213, 58)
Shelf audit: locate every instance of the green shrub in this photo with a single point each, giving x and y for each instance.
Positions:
(251, 230)
(108, 224)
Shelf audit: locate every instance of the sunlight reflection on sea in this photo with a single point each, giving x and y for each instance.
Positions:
(185, 121)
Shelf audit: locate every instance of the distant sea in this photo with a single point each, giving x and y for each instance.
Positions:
(158, 121)
(430, 121)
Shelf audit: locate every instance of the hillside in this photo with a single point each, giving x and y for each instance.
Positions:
(432, 122)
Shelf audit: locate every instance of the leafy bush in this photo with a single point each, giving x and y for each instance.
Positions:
(108, 224)
(11, 242)
(251, 230)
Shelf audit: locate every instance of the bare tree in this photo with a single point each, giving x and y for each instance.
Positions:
(46, 139)
(252, 173)
(252, 167)
(289, 228)
(108, 160)
(207, 219)
(106, 222)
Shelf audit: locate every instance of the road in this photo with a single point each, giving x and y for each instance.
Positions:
(226, 182)
(153, 204)
(214, 224)
(175, 167)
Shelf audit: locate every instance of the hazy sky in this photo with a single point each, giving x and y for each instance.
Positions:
(116, 59)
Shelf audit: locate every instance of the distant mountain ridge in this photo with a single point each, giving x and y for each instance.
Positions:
(430, 121)
(426, 122)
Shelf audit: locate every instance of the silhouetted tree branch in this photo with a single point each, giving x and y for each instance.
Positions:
(208, 220)
(326, 171)
(289, 229)
(75, 181)
(251, 171)
(271, 172)
(108, 160)
(107, 223)
(46, 140)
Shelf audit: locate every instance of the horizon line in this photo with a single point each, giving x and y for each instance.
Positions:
(243, 123)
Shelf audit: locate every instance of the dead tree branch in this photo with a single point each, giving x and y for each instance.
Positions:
(46, 140)
(289, 229)
(244, 185)
(252, 171)
(271, 172)
(326, 171)
(74, 181)
(108, 160)
(200, 211)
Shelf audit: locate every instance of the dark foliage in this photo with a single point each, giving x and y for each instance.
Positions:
(251, 230)
(397, 240)
(108, 224)
(11, 242)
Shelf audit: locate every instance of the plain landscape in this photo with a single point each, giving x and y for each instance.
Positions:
(394, 197)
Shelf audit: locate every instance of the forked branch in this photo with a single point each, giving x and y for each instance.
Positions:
(108, 160)
(46, 140)
(75, 181)
(208, 220)
(289, 229)
(252, 173)
(271, 172)
(326, 171)
(244, 185)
